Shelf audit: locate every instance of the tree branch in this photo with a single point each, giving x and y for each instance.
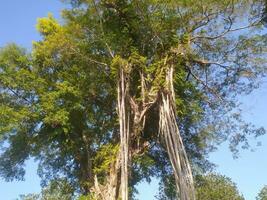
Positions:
(214, 92)
(229, 30)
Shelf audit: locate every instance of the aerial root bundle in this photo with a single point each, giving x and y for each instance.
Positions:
(124, 119)
(169, 131)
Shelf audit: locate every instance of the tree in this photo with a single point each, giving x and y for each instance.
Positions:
(208, 187)
(263, 194)
(57, 189)
(213, 187)
(100, 98)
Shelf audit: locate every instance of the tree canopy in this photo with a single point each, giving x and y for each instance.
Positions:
(262, 194)
(214, 186)
(58, 103)
(57, 189)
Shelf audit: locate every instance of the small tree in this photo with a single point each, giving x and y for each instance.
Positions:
(56, 190)
(263, 194)
(216, 187)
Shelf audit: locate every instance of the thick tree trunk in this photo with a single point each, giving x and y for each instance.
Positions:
(109, 191)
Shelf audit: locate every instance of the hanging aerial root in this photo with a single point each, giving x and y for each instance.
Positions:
(167, 128)
(170, 132)
(124, 118)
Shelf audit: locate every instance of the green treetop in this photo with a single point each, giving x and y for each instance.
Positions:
(211, 187)
(263, 194)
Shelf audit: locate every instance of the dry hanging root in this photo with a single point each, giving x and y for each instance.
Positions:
(124, 133)
(170, 132)
(167, 128)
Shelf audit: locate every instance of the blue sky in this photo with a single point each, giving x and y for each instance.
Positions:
(17, 24)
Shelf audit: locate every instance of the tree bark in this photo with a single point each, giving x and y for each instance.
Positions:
(111, 189)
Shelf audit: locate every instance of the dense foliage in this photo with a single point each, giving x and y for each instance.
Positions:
(213, 186)
(57, 189)
(58, 102)
(262, 194)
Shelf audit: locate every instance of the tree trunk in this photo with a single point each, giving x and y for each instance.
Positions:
(111, 189)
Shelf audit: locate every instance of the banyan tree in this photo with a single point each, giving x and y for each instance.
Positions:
(126, 90)
(157, 49)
